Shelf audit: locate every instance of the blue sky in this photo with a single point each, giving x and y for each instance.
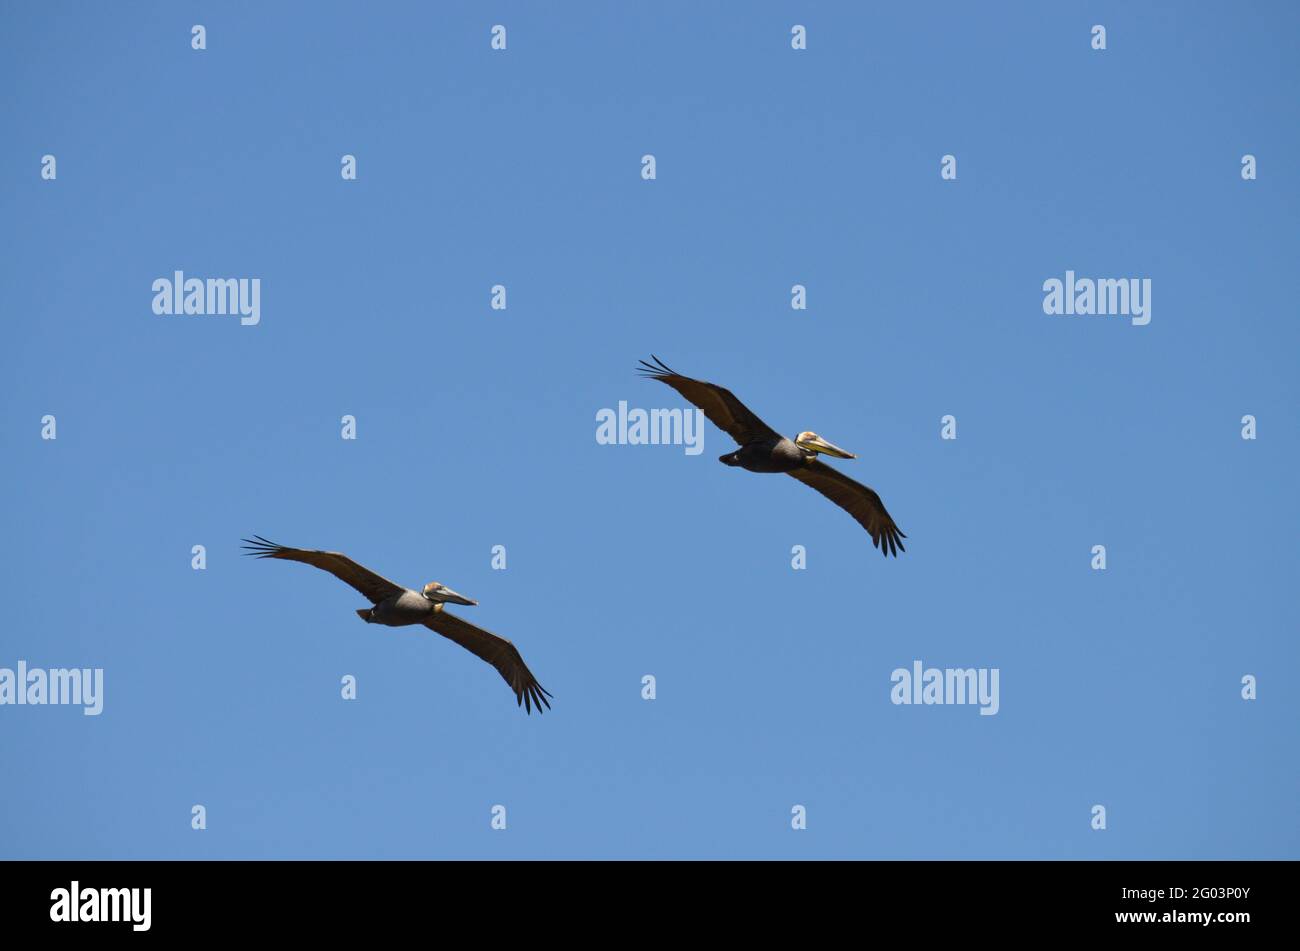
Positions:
(477, 427)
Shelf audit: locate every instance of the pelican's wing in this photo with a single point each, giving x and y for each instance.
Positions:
(498, 652)
(719, 404)
(340, 566)
(856, 499)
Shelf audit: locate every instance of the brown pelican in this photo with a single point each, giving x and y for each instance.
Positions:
(763, 449)
(395, 606)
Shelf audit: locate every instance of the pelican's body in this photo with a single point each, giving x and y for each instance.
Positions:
(763, 449)
(769, 455)
(395, 606)
(400, 610)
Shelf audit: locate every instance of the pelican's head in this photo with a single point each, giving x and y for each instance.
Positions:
(439, 593)
(811, 442)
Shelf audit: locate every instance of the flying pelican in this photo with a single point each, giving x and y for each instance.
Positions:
(395, 606)
(763, 449)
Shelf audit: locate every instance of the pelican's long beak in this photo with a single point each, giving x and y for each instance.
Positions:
(444, 593)
(817, 444)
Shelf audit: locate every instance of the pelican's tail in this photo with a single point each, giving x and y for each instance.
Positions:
(364, 614)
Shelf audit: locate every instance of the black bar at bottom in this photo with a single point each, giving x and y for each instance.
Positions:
(533, 899)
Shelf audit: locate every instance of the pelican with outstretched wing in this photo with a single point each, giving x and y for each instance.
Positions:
(395, 606)
(763, 449)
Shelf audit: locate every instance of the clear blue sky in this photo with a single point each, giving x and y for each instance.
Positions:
(477, 427)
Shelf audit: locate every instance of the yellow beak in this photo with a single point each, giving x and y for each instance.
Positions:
(817, 444)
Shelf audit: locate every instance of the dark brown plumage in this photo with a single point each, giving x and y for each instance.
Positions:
(374, 587)
(395, 606)
(497, 651)
(763, 449)
(718, 403)
(858, 500)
